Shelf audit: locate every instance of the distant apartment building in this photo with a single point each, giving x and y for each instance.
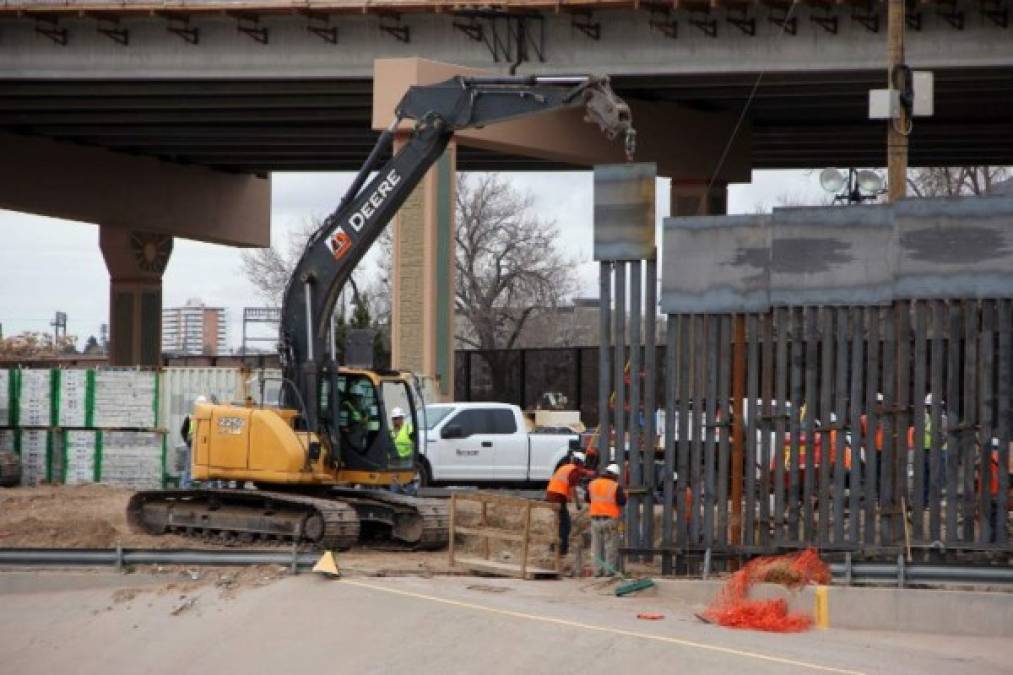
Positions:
(194, 329)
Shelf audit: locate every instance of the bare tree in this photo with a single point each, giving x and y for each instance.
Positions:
(33, 344)
(269, 269)
(508, 264)
(509, 268)
(955, 181)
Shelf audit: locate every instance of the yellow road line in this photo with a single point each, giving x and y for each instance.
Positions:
(605, 629)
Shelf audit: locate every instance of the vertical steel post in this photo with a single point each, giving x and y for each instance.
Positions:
(604, 358)
(636, 449)
(620, 374)
(650, 403)
(738, 410)
(619, 378)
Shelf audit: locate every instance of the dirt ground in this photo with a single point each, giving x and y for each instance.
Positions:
(94, 516)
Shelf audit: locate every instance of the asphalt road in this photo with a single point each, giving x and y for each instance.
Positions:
(442, 625)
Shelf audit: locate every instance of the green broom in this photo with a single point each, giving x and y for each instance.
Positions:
(631, 585)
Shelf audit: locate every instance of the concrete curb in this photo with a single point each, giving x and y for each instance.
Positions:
(973, 613)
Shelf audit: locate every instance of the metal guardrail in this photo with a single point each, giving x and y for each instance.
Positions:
(120, 557)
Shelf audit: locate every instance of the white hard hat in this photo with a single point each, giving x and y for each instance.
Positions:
(200, 399)
(612, 469)
(580, 457)
(879, 398)
(928, 399)
(396, 412)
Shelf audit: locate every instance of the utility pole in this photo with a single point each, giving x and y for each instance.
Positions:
(897, 128)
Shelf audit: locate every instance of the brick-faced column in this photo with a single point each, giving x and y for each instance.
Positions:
(422, 306)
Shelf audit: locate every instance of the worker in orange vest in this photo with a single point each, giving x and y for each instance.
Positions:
(562, 490)
(607, 500)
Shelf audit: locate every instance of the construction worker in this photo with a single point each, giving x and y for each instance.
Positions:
(607, 500)
(562, 489)
(187, 432)
(401, 434)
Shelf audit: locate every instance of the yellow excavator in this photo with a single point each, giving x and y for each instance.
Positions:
(321, 463)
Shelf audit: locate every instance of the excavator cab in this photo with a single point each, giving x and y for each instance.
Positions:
(356, 407)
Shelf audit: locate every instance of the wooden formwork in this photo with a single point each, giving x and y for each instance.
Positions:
(522, 537)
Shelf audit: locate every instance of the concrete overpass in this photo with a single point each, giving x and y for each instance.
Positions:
(167, 118)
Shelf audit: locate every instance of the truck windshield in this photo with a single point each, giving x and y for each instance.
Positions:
(433, 414)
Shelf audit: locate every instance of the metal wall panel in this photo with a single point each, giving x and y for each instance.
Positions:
(722, 264)
(624, 211)
(954, 248)
(831, 256)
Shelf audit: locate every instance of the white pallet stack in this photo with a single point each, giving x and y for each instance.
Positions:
(79, 453)
(34, 398)
(73, 398)
(5, 398)
(34, 455)
(125, 399)
(132, 458)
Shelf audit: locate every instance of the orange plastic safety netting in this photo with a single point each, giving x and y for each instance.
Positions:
(734, 608)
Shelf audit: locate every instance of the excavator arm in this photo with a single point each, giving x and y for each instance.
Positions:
(438, 111)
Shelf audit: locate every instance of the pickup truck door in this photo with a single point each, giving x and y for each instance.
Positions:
(472, 457)
(510, 441)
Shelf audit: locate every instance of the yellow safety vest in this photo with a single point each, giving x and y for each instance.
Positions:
(403, 441)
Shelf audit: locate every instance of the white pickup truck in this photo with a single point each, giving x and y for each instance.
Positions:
(486, 443)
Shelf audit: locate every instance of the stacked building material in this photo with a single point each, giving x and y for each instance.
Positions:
(75, 398)
(81, 456)
(126, 399)
(131, 458)
(36, 451)
(35, 398)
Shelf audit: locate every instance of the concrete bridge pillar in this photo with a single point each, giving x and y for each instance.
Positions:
(135, 260)
(422, 306)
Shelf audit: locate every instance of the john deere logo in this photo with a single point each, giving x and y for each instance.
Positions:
(339, 242)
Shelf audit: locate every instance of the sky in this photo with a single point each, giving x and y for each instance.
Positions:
(52, 265)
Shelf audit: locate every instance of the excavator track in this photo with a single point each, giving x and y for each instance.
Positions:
(413, 521)
(330, 522)
(245, 516)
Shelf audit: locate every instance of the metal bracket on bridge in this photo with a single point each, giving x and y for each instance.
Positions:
(708, 26)
(391, 24)
(952, 15)
(320, 25)
(870, 19)
(665, 25)
(780, 17)
(742, 20)
(827, 21)
(583, 20)
(508, 36)
(49, 27)
(110, 27)
(179, 25)
(249, 24)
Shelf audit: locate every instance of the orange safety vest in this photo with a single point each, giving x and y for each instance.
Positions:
(603, 498)
(560, 481)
